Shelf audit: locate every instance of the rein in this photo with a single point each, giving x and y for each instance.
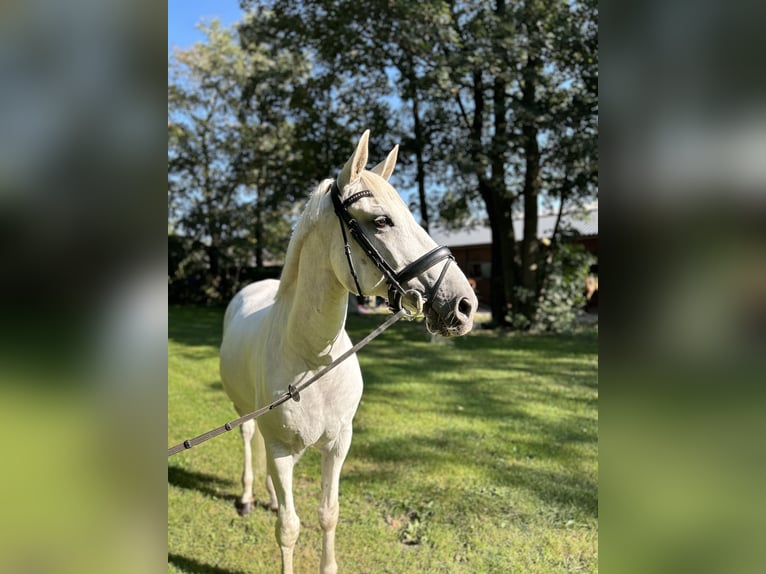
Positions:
(396, 295)
(293, 392)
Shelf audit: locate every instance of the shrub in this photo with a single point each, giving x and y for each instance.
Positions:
(563, 293)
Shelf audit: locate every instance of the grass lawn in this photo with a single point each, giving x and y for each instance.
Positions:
(478, 454)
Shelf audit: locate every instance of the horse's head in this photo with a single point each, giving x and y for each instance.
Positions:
(391, 255)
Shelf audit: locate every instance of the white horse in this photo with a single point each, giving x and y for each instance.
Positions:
(278, 333)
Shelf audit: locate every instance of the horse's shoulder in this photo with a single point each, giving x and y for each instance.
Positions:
(254, 293)
(251, 299)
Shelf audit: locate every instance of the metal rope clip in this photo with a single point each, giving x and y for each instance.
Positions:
(412, 303)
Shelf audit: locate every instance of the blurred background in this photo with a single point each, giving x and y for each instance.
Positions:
(681, 409)
(89, 232)
(83, 287)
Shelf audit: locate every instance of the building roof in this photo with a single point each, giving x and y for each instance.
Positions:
(584, 222)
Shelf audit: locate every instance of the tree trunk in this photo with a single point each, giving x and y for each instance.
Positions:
(421, 174)
(498, 302)
(503, 201)
(214, 267)
(527, 305)
(546, 257)
(258, 232)
(493, 192)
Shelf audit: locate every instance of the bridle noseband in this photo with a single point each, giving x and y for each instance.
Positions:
(394, 280)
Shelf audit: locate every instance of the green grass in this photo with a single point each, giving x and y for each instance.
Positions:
(477, 454)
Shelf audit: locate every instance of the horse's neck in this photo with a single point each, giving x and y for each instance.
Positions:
(315, 304)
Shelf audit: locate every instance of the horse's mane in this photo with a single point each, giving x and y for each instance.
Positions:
(305, 224)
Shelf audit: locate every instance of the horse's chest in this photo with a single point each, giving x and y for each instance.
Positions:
(294, 426)
(324, 409)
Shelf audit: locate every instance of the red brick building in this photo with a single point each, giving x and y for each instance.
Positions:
(472, 248)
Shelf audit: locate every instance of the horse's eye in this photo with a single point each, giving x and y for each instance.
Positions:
(382, 221)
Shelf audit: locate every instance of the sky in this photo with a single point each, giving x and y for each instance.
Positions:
(183, 16)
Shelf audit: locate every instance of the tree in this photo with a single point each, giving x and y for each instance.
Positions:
(231, 164)
(378, 83)
(521, 100)
(501, 95)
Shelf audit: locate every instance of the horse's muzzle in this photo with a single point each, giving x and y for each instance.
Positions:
(453, 318)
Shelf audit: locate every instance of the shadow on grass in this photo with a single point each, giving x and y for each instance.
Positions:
(512, 378)
(205, 483)
(519, 464)
(195, 326)
(194, 567)
(555, 488)
(407, 346)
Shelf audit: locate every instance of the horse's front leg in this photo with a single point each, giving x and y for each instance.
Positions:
(288, 524)
(261, 468)
(246, 500)
(332, 461)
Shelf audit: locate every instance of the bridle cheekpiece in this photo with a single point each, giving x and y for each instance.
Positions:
(398, 297)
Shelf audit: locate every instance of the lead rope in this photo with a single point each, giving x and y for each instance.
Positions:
(293, 392)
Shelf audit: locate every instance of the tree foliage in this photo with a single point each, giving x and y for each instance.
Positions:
(494, 103)
(499, 101)
(233, 171)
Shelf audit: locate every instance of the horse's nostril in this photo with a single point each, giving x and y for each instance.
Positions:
(464, 307)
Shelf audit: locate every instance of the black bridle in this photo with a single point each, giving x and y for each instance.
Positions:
(395, 280)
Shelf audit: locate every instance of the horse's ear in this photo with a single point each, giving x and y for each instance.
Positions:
(385, 168)
(356, 163)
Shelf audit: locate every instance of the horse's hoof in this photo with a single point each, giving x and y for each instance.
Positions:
(244, 508)
(267, 506)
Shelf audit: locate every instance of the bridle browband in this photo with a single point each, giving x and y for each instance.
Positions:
(394, 280)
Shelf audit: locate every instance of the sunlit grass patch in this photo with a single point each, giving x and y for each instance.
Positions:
(477, 454)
